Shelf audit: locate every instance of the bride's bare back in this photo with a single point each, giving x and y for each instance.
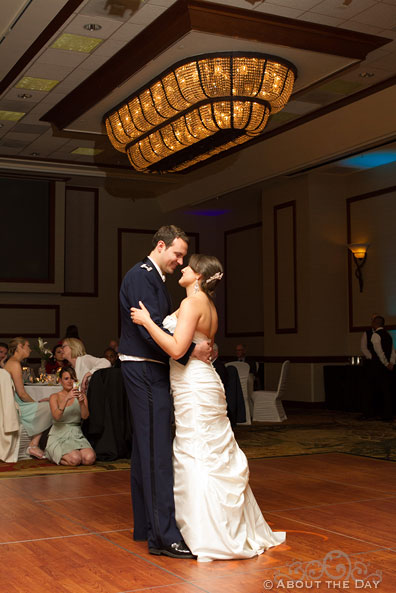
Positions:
(205, 318)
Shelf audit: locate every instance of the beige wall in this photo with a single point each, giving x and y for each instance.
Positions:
(97, 317)
(322, 312)
(322, 269)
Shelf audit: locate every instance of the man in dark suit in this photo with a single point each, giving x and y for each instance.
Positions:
(146, 375)
(380, 358)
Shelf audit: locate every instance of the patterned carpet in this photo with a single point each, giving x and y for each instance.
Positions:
(303, 433)
(323, 431)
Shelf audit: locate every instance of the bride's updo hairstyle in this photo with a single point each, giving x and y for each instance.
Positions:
(210, 269)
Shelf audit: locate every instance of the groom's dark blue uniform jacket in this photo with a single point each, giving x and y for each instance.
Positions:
(147, 386)
(143, 283)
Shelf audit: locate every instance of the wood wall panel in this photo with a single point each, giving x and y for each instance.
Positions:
(371, 218)
(29, 320)
(243, 265)
(81, 241)
(285, 268)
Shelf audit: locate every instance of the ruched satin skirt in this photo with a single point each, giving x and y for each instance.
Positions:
(216, 511)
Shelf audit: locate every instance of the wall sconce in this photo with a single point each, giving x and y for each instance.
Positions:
(359, 254)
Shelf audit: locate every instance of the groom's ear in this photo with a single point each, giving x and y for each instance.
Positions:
(160, 246)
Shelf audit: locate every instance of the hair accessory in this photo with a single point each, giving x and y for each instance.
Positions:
(217, 276)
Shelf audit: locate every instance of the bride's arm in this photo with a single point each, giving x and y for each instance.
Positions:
(177, 345)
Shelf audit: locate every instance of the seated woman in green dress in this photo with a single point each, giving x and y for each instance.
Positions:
(35, 416)
(66, 443)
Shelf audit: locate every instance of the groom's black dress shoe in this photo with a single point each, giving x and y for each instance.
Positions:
(176, 550)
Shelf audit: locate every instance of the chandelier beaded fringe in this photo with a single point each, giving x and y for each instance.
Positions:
(198, 108)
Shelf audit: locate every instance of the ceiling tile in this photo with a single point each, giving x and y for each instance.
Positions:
(297, 4)
(111, 47)
(385, 62)
(14, 92)
(146, 14)
(108, 26)
(125, 33)
(340, 87)
(321, 19)
(12, 143)
(112, 9)
(16, 105)
(166, 3)
(61, 57)
(301, 107)
(237, 3)
(279, 10)
(382, 15)
(6, 126)
(21, 137)
(353, 25)
(49, 71)
(343, 11)
(31, 129)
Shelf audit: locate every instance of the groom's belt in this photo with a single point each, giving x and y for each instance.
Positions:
(128, 358)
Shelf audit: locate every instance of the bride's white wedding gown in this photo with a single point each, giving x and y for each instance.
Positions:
(216, 511)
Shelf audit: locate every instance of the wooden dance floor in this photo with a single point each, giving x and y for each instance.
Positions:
(72, 533)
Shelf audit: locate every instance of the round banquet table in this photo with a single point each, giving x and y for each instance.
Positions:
(37, 391)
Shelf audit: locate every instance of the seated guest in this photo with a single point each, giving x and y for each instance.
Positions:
(3, 354)
(241, 351)
(113, 344)
(35, 416)
(66, 443)
(84, 364)
(72, 332)
(112, 356)
(57, 361)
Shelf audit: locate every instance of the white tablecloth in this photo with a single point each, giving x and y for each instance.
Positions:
(37, 392)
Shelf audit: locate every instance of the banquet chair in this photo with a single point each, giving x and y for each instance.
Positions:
(267, 405)
(109, 425)
(13, 437)
(246, 384)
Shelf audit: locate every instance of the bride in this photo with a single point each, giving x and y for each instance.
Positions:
(216, 511)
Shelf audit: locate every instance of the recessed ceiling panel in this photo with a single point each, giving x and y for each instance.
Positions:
(311, 67)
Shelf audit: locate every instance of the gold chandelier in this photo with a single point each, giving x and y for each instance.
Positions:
(199, 108)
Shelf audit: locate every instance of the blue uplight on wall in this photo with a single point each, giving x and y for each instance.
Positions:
(369, 160)
(207, 212)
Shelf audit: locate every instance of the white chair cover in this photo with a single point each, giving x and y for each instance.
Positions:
(9, 420)
(267, 405)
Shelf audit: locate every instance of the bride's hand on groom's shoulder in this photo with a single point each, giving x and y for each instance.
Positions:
(140, 316)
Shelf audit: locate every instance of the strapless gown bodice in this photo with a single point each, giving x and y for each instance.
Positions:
(170, 323)
(216, 511)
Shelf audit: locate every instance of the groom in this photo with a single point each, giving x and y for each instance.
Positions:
(145, 370)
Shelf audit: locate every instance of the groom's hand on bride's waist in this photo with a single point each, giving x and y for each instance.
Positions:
(203, 351)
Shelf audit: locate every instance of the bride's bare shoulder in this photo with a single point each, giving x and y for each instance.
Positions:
(194, 301)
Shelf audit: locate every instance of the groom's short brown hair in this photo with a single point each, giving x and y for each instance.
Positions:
(168, 234)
